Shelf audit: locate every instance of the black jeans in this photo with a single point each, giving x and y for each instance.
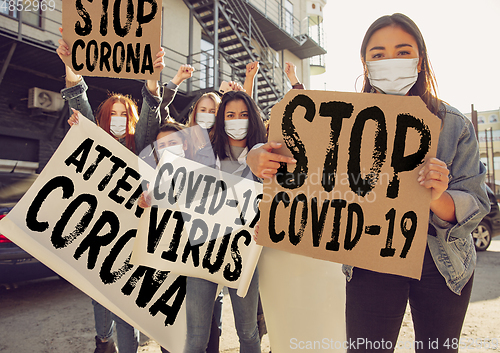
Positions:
(376, 303)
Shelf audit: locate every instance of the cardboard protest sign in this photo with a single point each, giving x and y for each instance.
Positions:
(113, 38)
(80, 219)
(303, 301)
(353, 196)
(201, 223)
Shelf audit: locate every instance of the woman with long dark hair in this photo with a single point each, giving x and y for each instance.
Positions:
(376, 302)
(238, 126)
(395, 61)
(238, 123)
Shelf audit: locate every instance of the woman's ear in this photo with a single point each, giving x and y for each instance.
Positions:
(419, 66)
(185, 145)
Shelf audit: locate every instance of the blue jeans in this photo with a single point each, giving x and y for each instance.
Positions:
(216, 329)
(128, 336)
(376, 303)
(200, 295)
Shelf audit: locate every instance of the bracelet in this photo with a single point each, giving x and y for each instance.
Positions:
(296, 84)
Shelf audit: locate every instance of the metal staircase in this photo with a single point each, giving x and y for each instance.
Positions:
(239, 41)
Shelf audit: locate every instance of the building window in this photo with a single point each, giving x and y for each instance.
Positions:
(496, 162)
(485, 135)
(32, 10)
(289, 17)
(8, 9)
(206, 64)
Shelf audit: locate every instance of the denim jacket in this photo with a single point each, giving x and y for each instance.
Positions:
(451, 244)
(147, 127)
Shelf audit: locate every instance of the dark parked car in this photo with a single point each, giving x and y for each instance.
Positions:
(16, 265)
(489, 227)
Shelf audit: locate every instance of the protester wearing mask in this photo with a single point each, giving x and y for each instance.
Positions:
(230, 142)
(393, 76)
(206, 120)
(174, 138)
(202, 119)
(203, 112)
(236, 128)
(118, 125)
(171, 137)
(395, 60)
(173, 143)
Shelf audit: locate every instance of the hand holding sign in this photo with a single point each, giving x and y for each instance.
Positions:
(144, 200)
(74, 118)
(63, 49)
(64, 53)
(264, 163)
(158, 65)
(434, 175)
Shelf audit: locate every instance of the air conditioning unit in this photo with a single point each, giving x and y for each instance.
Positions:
(45, 100)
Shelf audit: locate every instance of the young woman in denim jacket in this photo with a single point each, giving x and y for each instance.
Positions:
(376, 302)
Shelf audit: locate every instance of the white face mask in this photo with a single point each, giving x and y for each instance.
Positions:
(393, 76)
(178, 150)
(205, 120)
(118, 125)
(236, 128)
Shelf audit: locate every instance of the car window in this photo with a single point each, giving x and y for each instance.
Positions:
(13, 186)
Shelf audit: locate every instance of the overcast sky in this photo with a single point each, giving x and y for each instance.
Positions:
(462, 38)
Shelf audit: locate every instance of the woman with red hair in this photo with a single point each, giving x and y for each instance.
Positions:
(110, 109)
